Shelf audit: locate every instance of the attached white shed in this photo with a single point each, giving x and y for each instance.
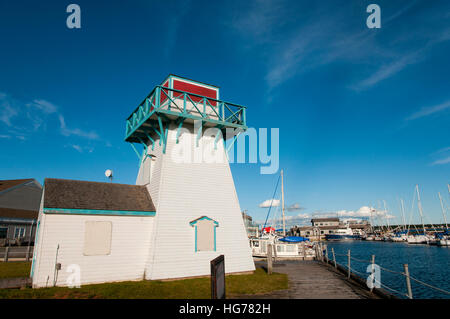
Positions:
(101, 229)
(114, 232)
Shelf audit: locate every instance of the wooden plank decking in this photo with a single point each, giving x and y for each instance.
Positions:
(314, 280)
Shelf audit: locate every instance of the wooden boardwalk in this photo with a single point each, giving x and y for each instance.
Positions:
(313, 280)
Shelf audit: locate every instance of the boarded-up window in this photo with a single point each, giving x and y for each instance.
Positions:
(97, 238)
(205, 235)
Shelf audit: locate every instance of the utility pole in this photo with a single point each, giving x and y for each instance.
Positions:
(282, 203)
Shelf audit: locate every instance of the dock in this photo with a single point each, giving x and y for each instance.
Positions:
(311, 279)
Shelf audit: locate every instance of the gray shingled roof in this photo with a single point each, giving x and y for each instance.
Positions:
(22, 194)
(8, 183)
(331, 219)
(18, 213)
(63, 193)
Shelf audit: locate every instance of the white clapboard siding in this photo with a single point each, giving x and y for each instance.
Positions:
(183, 192)
(38, 237)
(130, 244)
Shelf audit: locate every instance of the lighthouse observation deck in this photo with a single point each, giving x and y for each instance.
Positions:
(181, 101)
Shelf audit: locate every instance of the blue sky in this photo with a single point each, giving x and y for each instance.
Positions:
(363, 113)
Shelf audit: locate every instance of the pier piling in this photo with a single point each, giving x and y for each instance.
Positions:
(269, 259)
(304, 251)
(334, 257)
(321, 252)
(408, 281)
(373, 273)
(349, 268)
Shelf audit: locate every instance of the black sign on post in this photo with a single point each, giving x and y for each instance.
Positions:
(218, 278)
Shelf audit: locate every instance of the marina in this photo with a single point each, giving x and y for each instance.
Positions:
(430, 264)
(412, 260)
(198, 153)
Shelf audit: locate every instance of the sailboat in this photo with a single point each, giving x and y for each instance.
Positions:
(444, 239)
(401, 236)
(419, 238)
(284, 246)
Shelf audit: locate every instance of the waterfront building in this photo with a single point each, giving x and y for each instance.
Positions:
(251, 227)
(19, 207)
(320, 227)
(182, 213)
(320, 222)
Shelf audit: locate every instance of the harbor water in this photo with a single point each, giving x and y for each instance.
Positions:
(430, 264)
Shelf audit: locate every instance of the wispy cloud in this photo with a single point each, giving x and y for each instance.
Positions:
(23, 119)
(78, 148)
(270, 202)
(442, 150)
(7, 111)
(429, 110)
(400, 12)
(259, 20)
(388, 70)
(286, 65)
(175, 15)
(304, 37)
(81, 149)
(44, 106)
(76, 131)
(444, 153)
(442, 161)
(294, 207)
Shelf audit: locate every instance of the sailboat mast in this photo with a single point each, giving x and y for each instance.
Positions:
(380, 219)
(282, 203)
(420, 208)
(387, 219)
(403, 213)
(443, 211)
(371, 221)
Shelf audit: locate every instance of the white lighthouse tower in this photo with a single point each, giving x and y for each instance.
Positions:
(181, 125)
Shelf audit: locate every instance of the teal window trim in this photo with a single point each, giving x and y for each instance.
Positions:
(194, 224)
(72, 211)
(196, 237)
(36, 238)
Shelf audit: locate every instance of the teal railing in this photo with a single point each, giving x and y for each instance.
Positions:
(165, 102)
